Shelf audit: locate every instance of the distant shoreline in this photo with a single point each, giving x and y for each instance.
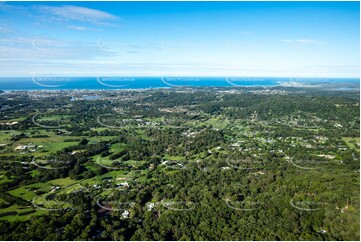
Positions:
(146, 83)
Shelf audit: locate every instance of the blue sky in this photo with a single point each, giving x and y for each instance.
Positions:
(285, 39)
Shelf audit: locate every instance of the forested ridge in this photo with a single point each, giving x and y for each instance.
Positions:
(180, 165)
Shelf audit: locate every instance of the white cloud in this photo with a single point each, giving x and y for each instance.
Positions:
(4, 6)
(108, 67)
(81, 28)
(76, 13)
(301, 41)
(34, 49)
(308, 41)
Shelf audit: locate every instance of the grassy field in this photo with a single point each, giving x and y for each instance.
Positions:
(217, 123)
(51, 144)
(101, 138)
(19, 213)
(34, 173)
(3, 178)
(5, 136)
(351, 142)
(115, 148)
(39, 191)
(28, 192)
(63, 182)
(174, 158)
(72, 188)
(42, 202)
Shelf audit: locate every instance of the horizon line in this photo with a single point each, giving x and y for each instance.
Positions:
(165, 76)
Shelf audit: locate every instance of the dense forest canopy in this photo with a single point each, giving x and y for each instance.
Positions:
(180, 164)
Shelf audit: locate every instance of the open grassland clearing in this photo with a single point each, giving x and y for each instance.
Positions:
(45, 145)
(28, 192)
(352, 143)
(97, 139)
(19, 213)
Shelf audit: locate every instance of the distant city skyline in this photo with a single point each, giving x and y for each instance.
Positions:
(256, 39)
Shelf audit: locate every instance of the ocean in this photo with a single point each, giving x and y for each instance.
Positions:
(101, 83)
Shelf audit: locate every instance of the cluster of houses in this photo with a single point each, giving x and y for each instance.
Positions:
(29, 147)
(9, 123)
